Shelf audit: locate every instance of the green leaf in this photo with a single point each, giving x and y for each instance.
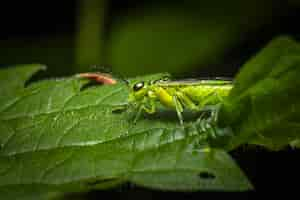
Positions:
(295, 143)
(14, 80)
(59, 136)
(264, 107)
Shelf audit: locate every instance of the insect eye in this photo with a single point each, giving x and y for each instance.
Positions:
(138, 86)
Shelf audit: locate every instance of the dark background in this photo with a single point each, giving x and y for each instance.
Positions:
(46, 32)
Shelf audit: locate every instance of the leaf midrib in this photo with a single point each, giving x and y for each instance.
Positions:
(120, 138)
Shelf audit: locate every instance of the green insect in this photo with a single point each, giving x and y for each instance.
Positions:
(195, 95)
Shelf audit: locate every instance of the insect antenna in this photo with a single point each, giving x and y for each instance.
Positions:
(127, 83)
(123, 79)
(102, 69)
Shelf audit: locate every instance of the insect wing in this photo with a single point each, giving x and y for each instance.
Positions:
(191, 82)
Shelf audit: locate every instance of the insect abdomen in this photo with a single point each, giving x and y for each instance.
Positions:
(203, 95)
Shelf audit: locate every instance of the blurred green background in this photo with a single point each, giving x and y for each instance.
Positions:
(187, 38)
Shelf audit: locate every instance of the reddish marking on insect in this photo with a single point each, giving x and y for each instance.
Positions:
(102, 78)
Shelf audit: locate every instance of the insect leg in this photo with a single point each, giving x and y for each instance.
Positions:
(209, 100)
(143, 106)
(178, 108)
(215, 112)
(201, 117)
(219, 97)
(139, 112)
(152, 108)
(186, 101)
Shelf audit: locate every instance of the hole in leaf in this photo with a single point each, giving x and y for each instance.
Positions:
(206, 175)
